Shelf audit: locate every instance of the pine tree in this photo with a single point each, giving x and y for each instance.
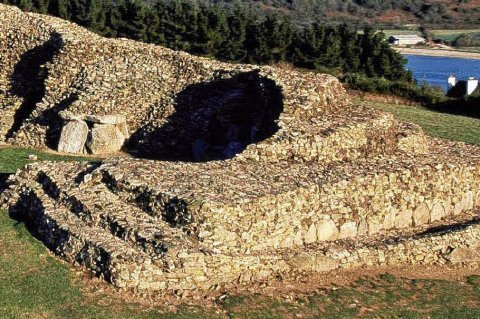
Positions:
(234, 46)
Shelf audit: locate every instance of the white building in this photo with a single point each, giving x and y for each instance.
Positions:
(405, 39)
(461, 88)
(472, 84)
(452, 81)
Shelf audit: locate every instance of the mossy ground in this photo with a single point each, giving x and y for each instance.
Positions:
(35, 284)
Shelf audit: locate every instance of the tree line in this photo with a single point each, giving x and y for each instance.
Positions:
(236, 35)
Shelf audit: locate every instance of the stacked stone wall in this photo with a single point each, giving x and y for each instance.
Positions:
(17, 38)
(206, 264)
(92, 75)
(360, 199)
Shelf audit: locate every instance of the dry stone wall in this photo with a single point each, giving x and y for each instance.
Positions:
(92, 75)
(18, 40)
(318, 183)
(361, 198)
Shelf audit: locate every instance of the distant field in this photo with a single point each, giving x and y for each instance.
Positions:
(448, 32)
(445, 35)
(450, 35)
(389, 33)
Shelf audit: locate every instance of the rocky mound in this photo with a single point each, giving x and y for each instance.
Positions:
(279, 173)
(50, 65)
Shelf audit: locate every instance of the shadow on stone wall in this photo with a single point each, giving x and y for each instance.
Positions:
(30, 210)
(54, 122)
(28, 79)
(214, 120)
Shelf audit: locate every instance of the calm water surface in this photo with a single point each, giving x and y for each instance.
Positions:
(436, 70)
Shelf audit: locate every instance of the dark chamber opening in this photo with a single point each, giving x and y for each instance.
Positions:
(214, 121)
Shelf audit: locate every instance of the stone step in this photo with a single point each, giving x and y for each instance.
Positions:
(97, 206)
(358, 133)
(70, 237)
(293, 205)
(449, 243)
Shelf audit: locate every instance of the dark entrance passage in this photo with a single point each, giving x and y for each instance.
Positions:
(214, 121)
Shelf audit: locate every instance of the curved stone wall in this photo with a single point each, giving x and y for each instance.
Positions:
(92, 75)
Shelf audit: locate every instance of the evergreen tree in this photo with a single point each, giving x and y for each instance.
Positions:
(238, 35)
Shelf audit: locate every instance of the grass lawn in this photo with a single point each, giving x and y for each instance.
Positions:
(445, 35)
(13, 158)
(453, 127)
(35, 284)
(451, 35)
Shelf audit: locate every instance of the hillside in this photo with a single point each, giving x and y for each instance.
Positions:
(443, 14)
(431, 13)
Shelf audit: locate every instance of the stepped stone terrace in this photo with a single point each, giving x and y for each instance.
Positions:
(231, 174)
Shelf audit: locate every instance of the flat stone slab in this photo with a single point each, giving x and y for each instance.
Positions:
(113, 119)
(105, 139)
(108, 134)
(73, 137)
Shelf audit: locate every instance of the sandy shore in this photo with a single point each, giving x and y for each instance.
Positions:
(440, 53)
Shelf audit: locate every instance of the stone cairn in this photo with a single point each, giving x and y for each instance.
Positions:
(332, 186)
(93, 134)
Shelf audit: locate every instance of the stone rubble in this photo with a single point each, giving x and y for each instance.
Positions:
(335, 186)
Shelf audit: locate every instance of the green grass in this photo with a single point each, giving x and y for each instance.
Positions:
(450, 35)
(445, 35)
(453, 127)
(12, 159)
(35, 284)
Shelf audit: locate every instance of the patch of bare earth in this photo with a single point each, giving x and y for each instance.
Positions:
(286, 289)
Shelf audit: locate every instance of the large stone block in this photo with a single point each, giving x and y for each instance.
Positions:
(464, 255)
(327, 230)
(468, 200)
(437, 213)
(421, 215)
(311, 235)
(73, 137)
(312, 262)
(123, 127)
(389, 221)
(105, 139)
(348, 229)
(459, 207)
(404, 219)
